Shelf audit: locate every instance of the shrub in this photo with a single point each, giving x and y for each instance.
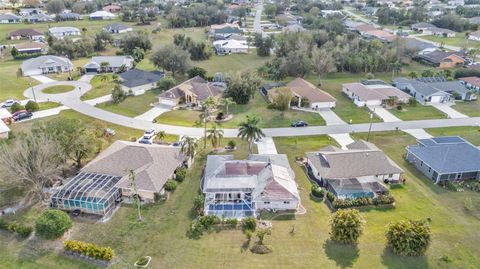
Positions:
(197, 71)
(53, 223)
(3, 224)
(346, 226)
(24, 231)
(408, 237)
(21, 230)
(180, 174)
(317, 191)
(142, 261)
(88, 249)
(249, 224)
(399, 107)
(232, 144)
(31, 106)
(364, 201)
(198, 203)
(118, 94)
(16, 107)
(220, 116)
(330, 197)
(170, 185)
(208, 221)
(386, 199)
(166, 83)
(232, 222)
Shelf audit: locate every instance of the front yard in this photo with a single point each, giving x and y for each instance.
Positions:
(101, 85)
(471, 109)
(459, 40)
(133, 105)
(417, 112)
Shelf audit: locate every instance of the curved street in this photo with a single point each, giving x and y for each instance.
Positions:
(72, 100)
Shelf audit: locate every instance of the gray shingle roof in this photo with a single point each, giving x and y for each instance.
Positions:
(9, 16)
(113, 61)
(138, 77)
(45, 61)
(115, 27)
(447, 154)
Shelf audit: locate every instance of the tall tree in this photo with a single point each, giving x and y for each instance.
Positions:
(346, 226)
(55, 6)
(136, 197)
(208, 106)
(409, 237)
(323, 62)
(226, 102)
(249, 131)
(171, 58)
(241, 86)
(136, 39)
(189, 146)
(215, 135)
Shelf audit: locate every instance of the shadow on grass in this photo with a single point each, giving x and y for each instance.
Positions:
(392, 260)
(343, 255)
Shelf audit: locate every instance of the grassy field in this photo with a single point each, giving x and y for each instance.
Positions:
(47, 105)
(133, 105)
(257, 106)
(12, 86)
(472, 134)
(101, 85)
(417, 112)
(471, 109)
(58, 89)
(455, 230)
(459, 40)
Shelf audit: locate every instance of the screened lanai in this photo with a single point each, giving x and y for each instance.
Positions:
(88, 192)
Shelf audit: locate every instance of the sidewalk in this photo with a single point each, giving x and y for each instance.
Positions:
(266, 146)
(447, 109)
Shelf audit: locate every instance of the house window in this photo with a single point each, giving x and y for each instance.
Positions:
(390, 175)
(421, 163)
(286, 202)
(429, 169)
(459, 176)
(266, 203)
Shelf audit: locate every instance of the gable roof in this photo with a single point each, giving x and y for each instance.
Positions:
(422, 25)
(434, 85)
(305, 89)
(474, 81)
(116, 27)
(45, 61)
(9, 16)
(447, 154)
(113, 61)
(103, 14)
(152, 164)
(138, 77)
(437, 56)
(25, 32)
(412, 43)
(29, 45)
(375, 92)
(70, 15)
(361, 158)
(197, 85)
(63, 29)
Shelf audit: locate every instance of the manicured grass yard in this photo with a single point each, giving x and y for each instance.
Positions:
(12, 86)
(100, 87)
(459, 40)
(471, 134)
(47, 105)
(133, 105)
(58, 89)
(417, 112)
(257, 107)
(471, 109)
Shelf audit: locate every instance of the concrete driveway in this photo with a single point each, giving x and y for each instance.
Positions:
(418, 133)
(156, 111)
(266, 146)
(342, 139)
(451, 113)
(42, 79)
(384, 114)
(330, 117)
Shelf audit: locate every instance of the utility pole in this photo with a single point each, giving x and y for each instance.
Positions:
(371, 122)
(33, 92)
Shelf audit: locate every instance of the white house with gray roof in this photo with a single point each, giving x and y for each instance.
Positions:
(138, 81)
(61, 32)
(240, 188)
(117, 28)
(361, 170)
(45, 65)
(112, 64)
(445, 158)
(9, 18)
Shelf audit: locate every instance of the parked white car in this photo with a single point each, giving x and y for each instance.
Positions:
(9, 103)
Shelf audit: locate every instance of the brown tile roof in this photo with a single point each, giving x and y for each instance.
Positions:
(475, 81)
(303, 88)
(152, 164)
(30, 45)
(197, 85)
(25, 32)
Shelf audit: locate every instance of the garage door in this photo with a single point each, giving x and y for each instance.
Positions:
(436, 99)
(167, 102)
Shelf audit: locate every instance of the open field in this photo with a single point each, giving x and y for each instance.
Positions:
(471, 109)
(257, 107)
(133, 105)
(417, 112)
(12, 86)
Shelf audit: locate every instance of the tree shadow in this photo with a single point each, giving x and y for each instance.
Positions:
(392, 260)
(343, 255)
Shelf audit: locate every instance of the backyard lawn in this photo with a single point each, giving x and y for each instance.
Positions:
(417, 112)
(133, 105)
(257, 106)
(58, 89)
(101, 85)
(471, 109)
(12, 86)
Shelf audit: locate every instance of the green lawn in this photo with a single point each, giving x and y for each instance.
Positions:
(100, 86)
(12, 86)
(418, 112)
(133, 105)
(47, 105)
(471, 108)
(257, 106)
(459, 40)
(472, 134)
(58, 89)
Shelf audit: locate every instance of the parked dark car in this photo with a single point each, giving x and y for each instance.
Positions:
(299, 123)
(145, 141)
(22, 115)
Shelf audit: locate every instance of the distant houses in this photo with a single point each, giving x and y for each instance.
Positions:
(472, 83)
(109, 64)
(102, 15)
(242, 188)
(70, 16)
(62, 32)
(230, 46)
(191, 92)
(138, 81)
(112, 8)
(31, 47)
(117, 28)
(27, 33)
(223, 29)
(373, 94)
(443, 159)
(442, 59)
(9, 18)
(430, 29)
(360, 170)
(45, 65)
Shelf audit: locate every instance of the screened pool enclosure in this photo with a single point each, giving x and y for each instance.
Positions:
(88, 192)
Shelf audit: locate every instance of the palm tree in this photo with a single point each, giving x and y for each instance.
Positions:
(136, 198)
(215, 135)
(226, 102)
(208, 105)
(250, 131)
(160, 136)
(396, 67)
(104, 66)
(189, 146)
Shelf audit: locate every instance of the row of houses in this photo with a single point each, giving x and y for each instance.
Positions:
(36, 15)
(228, 38)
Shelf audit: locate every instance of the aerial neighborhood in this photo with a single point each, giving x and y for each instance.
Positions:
(241, 133)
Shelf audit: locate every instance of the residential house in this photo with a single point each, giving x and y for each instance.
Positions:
(434, 90)
(242, 188)
(112, 64)
(71, 16)
(100, 186)
(102, 15)
(230, 46)
(381, 35)
(441, 32)
(31, 47)
(264, 89)
(36, 18)
(117, 28)
(112, 8)
(373, 94)
(421, 26)
(445, 158)
(191, 92)
(327, 12)
(442, 59)
(61, 32)
(24, 12)
(472, 83)
(5, 115)
(223, 29)
(45, 65)
(138, 81)
(306, 94)
(474, 36)
(4, 130)
(418, 46)
(360, 170)
(230, 37)
(9, 18)
(26, 33)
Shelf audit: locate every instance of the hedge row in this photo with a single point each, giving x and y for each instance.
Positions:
(88, 249)
(24, 56)
(379, 200)
(21, 230)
